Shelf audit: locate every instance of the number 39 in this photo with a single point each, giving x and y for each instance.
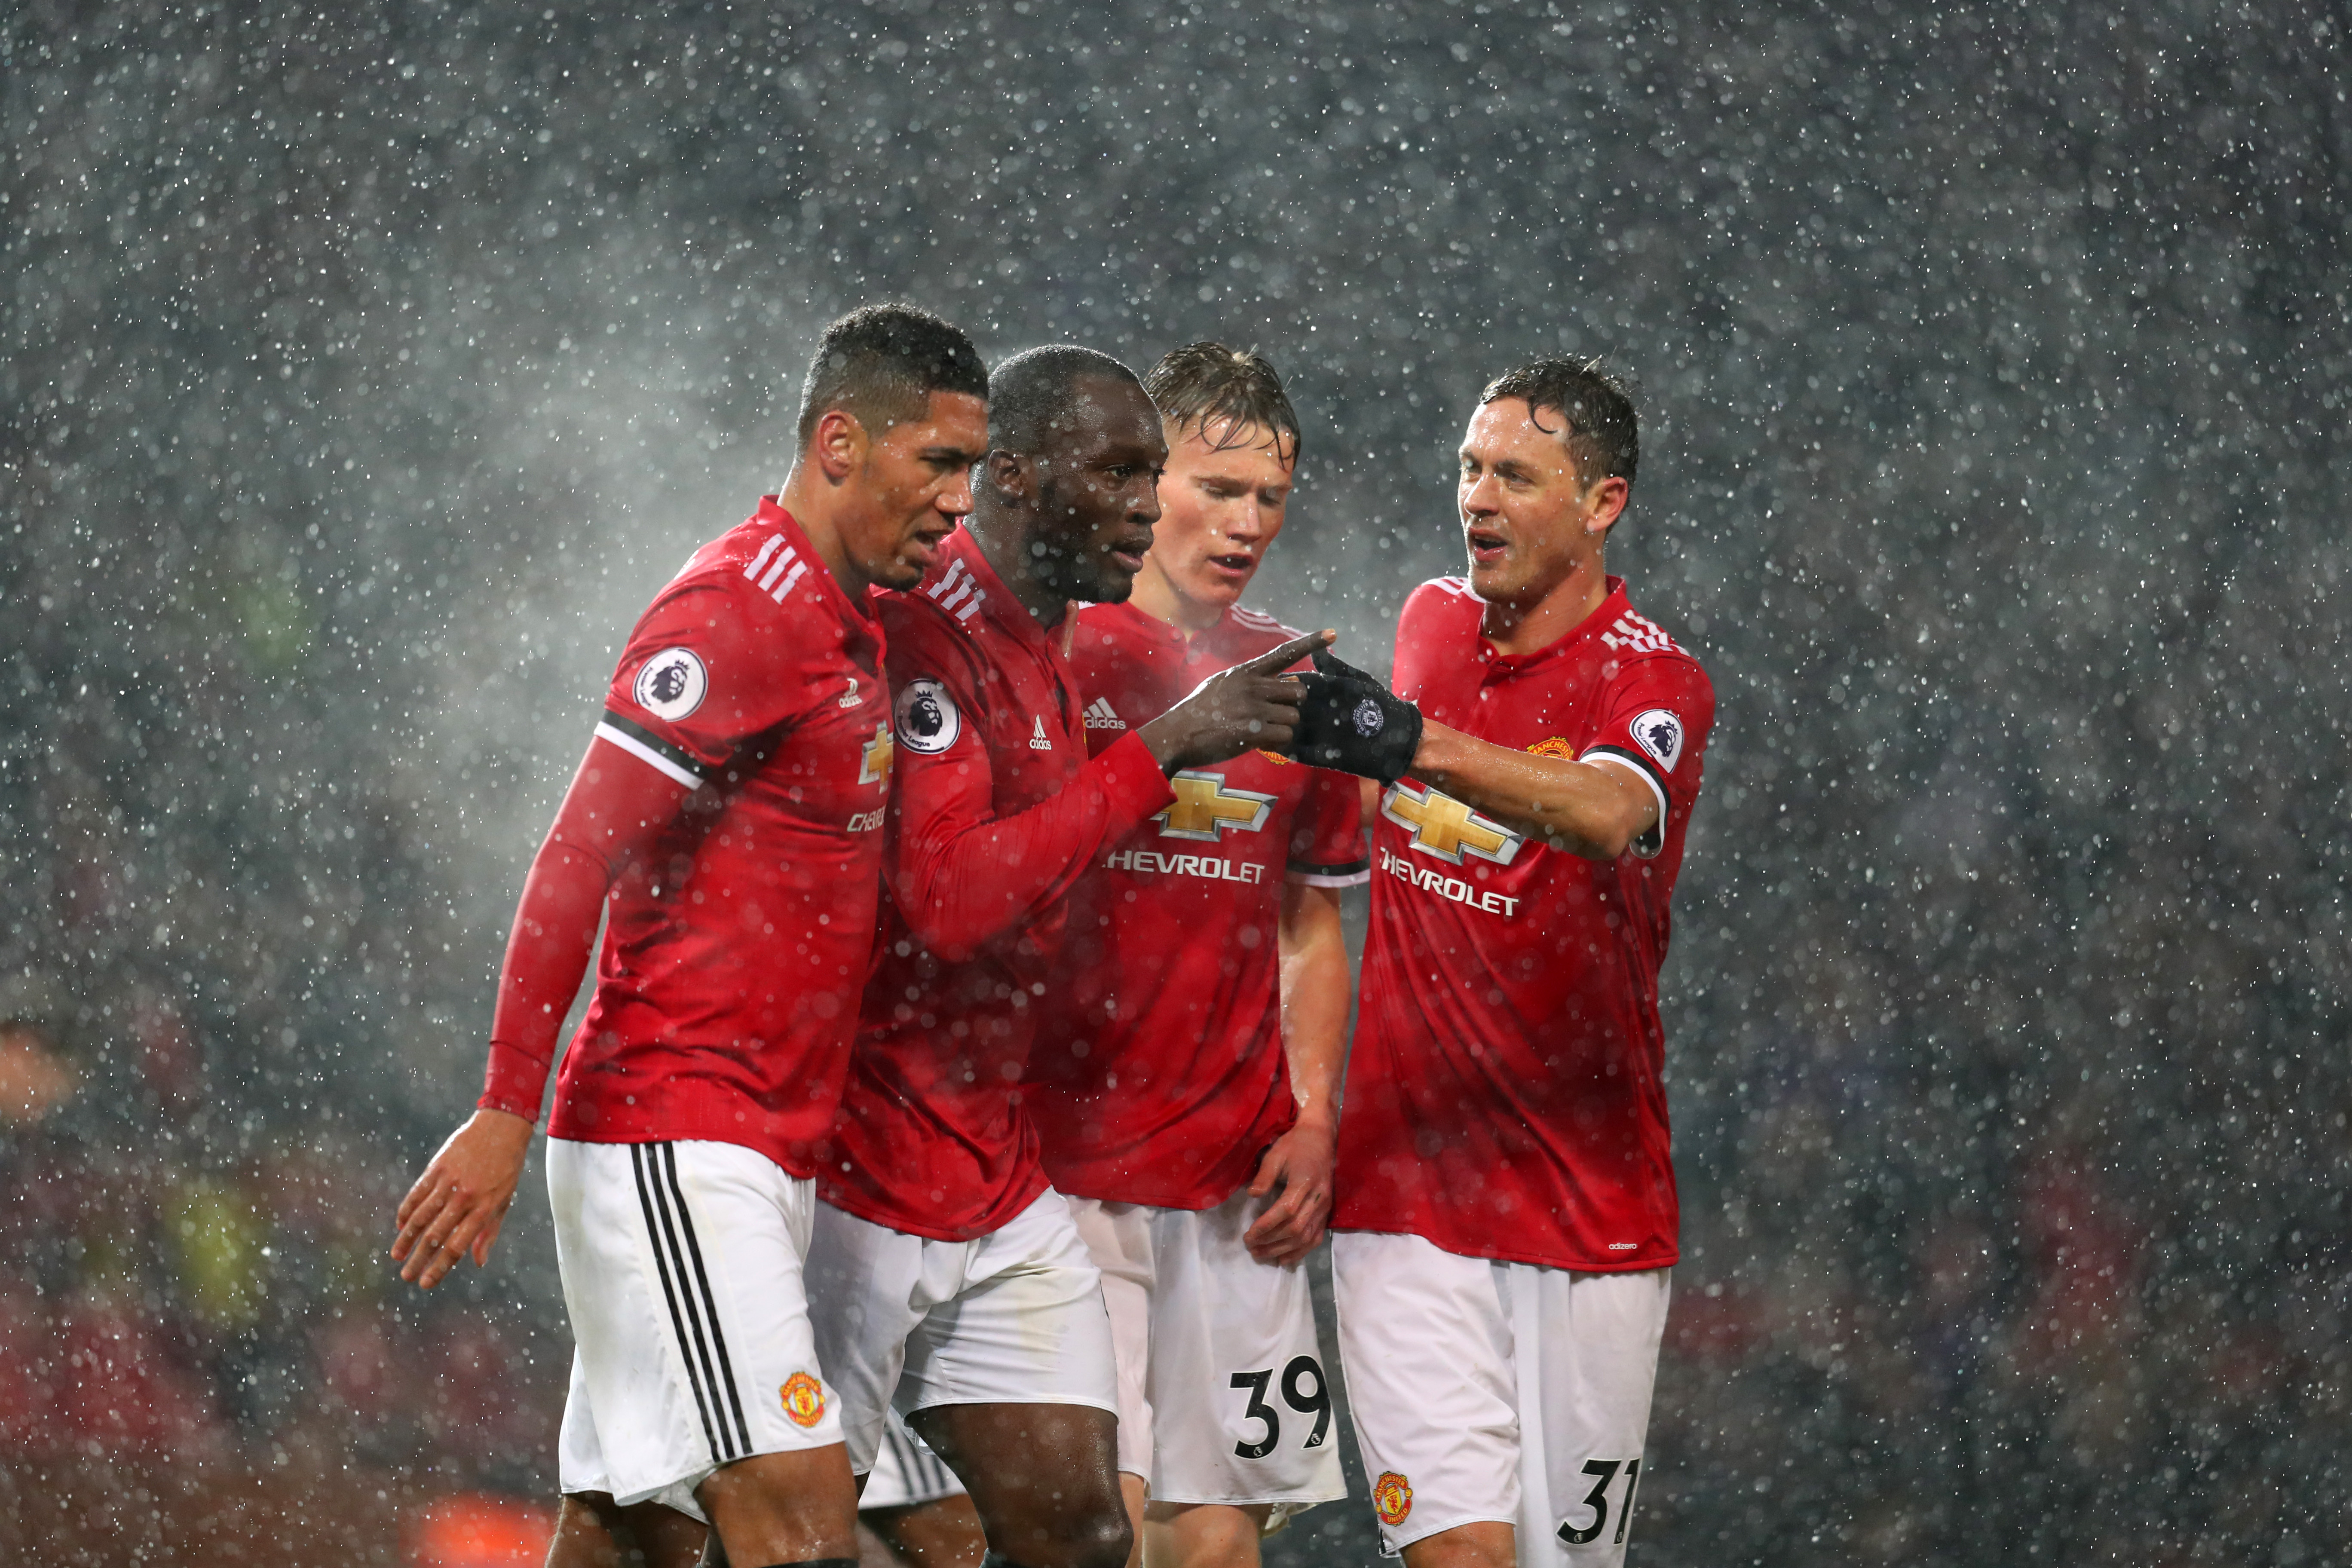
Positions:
(1303, 1390)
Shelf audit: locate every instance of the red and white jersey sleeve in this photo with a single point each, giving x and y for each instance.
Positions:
(1506, 1094)
(1158, 1071)
(735, 948)
(999, 811)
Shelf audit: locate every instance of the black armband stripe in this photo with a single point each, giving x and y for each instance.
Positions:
(643, 743)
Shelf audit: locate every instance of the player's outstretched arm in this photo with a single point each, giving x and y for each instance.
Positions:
(1252, 706)
(1593, 809)
(616, 805)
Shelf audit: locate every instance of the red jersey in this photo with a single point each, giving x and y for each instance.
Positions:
(998, 811)
(1160, 1072)
(1505, 1095)
(733, 952)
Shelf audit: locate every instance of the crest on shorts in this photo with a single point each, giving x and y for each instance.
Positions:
(804, 1399)
(1393, 1497)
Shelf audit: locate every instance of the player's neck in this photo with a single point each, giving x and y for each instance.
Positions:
(1004, 540)
(1156, 596)
(815, 506)
(1527, 626)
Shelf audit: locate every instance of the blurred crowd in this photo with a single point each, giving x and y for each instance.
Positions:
(184, 1290)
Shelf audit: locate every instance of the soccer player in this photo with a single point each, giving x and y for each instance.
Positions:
(1506, 1215)
(726, 823)
(949, 1278)
(1190, 1044)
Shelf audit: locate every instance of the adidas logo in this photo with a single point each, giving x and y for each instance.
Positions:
(1102, 716)
(1037, 740)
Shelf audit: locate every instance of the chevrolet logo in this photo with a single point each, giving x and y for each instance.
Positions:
(1443, 826)
(1204, 808)
(875, 766)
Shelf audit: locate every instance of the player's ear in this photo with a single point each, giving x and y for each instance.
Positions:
(1012, 476)
(1606, 504)
(837, 446)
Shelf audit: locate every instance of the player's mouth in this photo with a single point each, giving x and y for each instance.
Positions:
(1487, 547)
(1236, 568)
(1130, 560)
(923, 550)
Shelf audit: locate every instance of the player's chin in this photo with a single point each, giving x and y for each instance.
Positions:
(1112, 582)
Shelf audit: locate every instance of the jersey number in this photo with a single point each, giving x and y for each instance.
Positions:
(1596, 1499)
(1303, 1390)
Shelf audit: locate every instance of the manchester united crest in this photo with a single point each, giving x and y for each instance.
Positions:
(1392, 1496)
(804, 1399)
(1553, 746)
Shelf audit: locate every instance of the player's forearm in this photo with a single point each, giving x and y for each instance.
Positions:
(962, 883)
(1315, 983)
(547, 953)
(1592, 809)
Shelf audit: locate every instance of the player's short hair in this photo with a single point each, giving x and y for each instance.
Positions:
(1600, 428)
(880, 363)
(1029, 393)
(1207, 384)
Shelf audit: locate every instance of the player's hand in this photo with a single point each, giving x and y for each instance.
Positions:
(1351, 723)
(1252, 706)
(1299, 1163)
(458, 1204)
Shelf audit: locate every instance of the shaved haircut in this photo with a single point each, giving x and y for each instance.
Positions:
(880, 365)
(1030, 394)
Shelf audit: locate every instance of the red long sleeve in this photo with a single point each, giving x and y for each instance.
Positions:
(616, 806)
(964, 877)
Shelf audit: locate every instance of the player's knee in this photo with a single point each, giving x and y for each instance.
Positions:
(1105, 1539)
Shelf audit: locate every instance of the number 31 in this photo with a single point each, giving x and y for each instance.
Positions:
(1302, 1389)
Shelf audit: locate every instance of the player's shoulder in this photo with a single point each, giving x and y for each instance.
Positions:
(1253, 632)
(939, 618)
(761, 572)
(1441, 602)
(1641, 645)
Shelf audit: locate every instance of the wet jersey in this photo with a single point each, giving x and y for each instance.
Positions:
(733, 952)
(998, 811)
(1505, 1095)
(1159, 1071)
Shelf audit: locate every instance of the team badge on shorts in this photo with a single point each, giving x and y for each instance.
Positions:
(1393, 1497)
(804, 1399)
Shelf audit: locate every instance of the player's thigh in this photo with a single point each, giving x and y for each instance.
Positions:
(1119, 1239)
(1024, 1323)
(867, 1294)
(1043, 1478)
(593, 1531)
(1427, 1350)
(1587, 1365)
(682, 1273)
(1239, 1387)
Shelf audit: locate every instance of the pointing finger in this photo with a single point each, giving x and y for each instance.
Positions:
(1289, 653)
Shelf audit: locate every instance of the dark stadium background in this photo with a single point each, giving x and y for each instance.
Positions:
(367, 366)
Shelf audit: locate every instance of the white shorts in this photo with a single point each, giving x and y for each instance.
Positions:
(1222, 1395)
(681, 1267)
(906, 1472)
(906, 1322)
(1498, 1391)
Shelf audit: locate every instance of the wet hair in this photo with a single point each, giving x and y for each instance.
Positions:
(880, 363)
(1599, 427)
(1207, 384)
(1029, 393)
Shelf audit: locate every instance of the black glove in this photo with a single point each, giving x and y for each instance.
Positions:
(1349, 722)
